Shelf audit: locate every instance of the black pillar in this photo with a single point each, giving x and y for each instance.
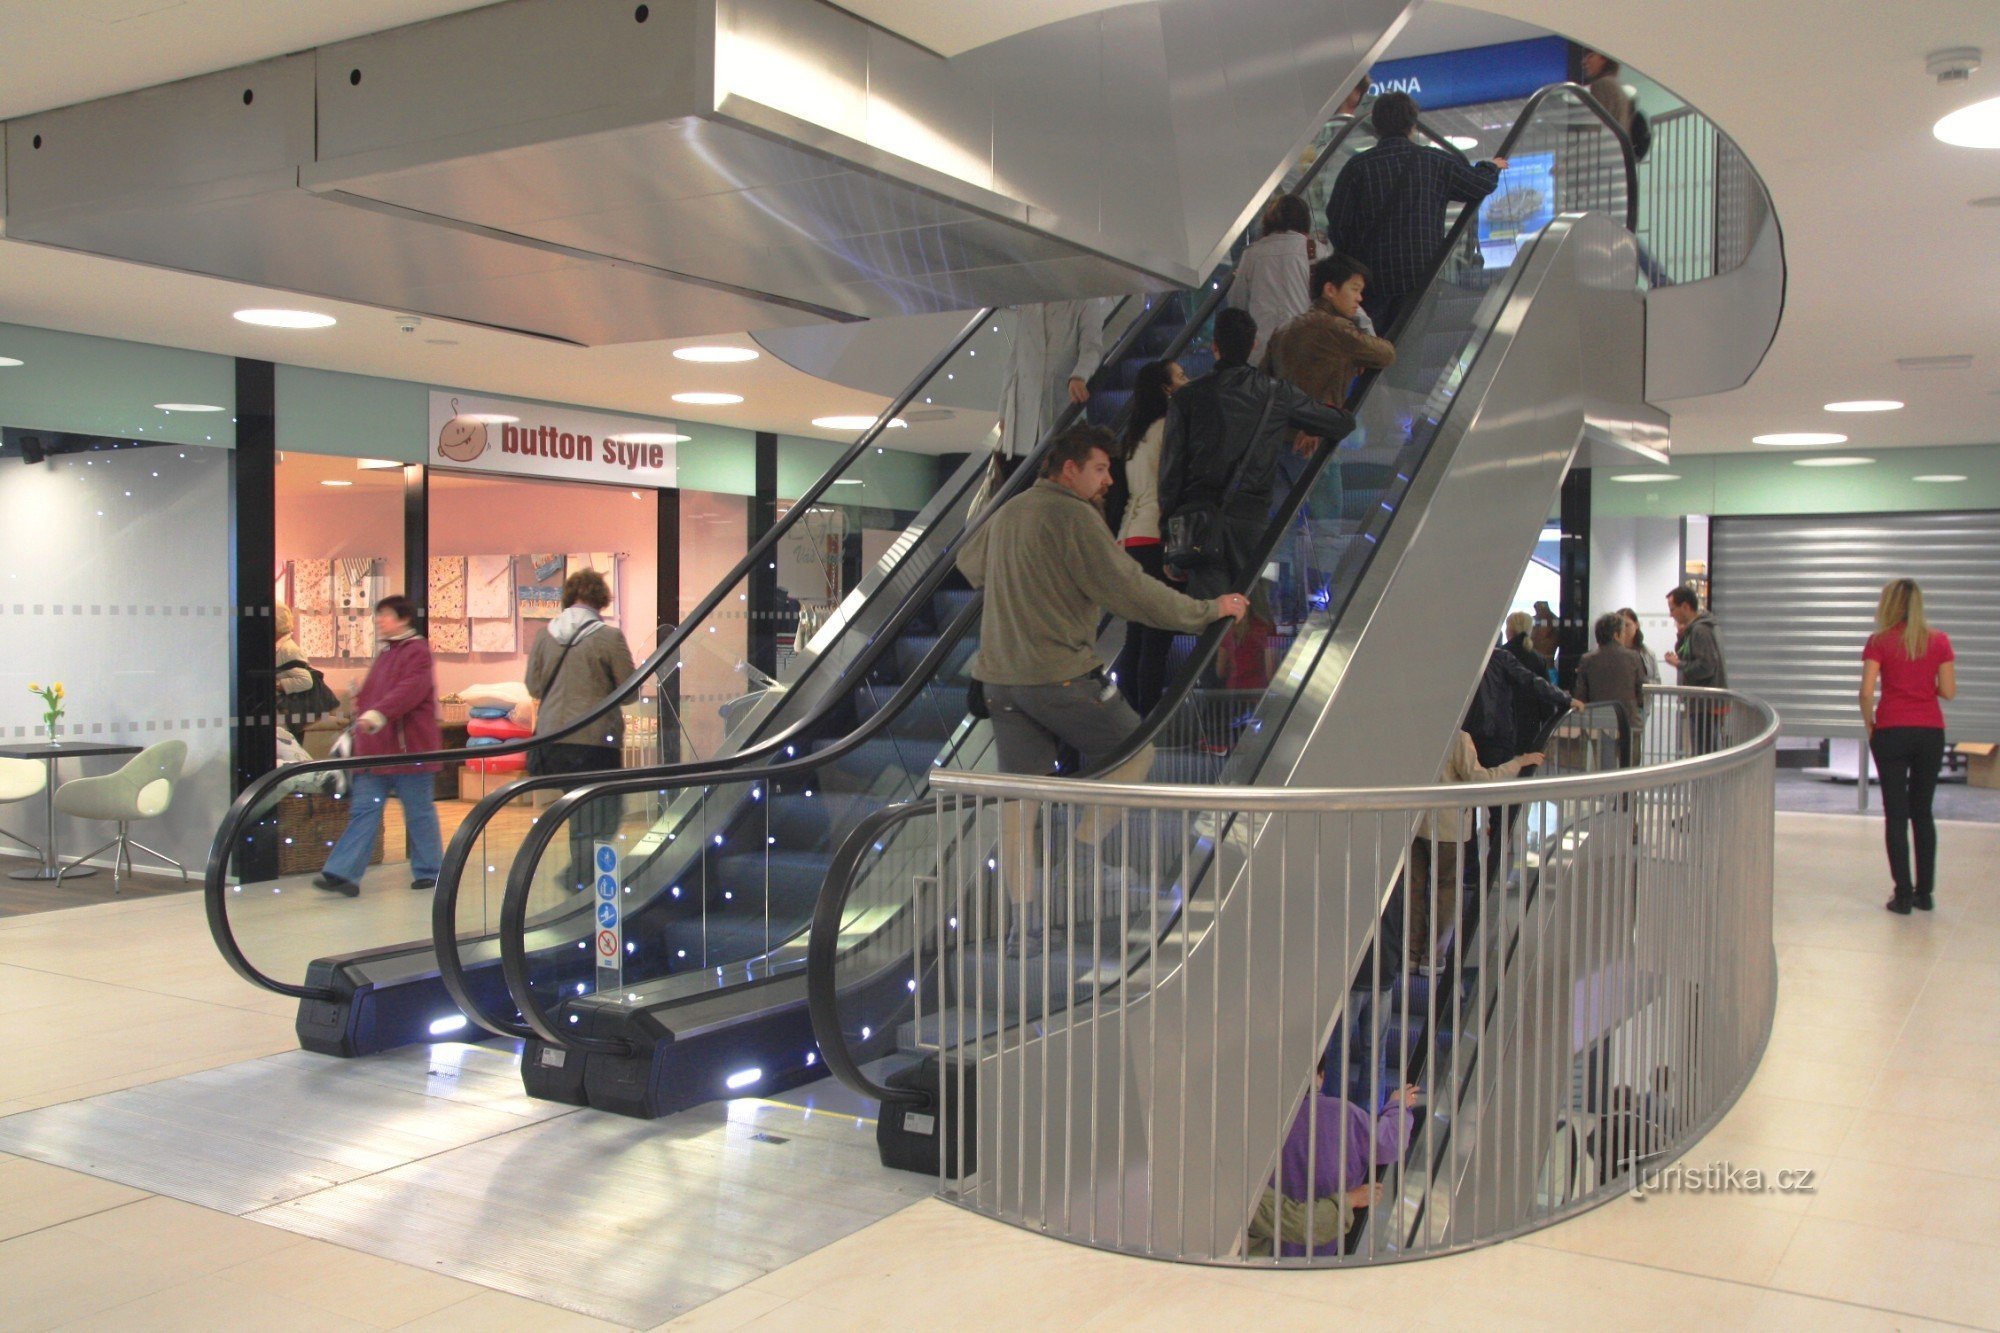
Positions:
(253, 537)
(667, 616)
(1575, 575)
(764, 616)
(417, 541)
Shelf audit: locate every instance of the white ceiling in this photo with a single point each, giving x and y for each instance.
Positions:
(1886, 257)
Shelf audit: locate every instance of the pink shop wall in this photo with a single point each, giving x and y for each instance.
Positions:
(714, 536)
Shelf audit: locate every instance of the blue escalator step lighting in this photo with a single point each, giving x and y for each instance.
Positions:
(866, 1033)
(718, 840)
(756, 793)
(770, 842)
(680, 953)
(743, 1078)
(574, 1019)
(632, 947)
(677, 890)
(579, 987)
(912, 984)
(812, 1058)
(954, 923)
(809, 791)
(449, 1023)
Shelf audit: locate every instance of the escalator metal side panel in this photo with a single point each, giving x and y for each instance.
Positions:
(1565, 354)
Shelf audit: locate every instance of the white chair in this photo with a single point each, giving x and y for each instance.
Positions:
(19, 780)
(143, 789)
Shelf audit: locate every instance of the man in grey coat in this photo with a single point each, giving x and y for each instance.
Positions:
(1050, 568)
(1698, 655)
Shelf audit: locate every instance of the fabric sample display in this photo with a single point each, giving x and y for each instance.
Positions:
(539, 578)
(489, 587)
(447, 593)
(316, 635)
(354, 606)
(451, 636)
(493, 636)
(312, 586)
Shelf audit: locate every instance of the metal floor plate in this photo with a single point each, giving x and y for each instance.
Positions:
(434, 1157)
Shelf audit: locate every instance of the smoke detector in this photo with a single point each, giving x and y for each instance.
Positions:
(1952, 65)
(408, 323)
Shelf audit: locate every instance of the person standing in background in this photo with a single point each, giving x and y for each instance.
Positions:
(1698, 657)
(1388, 205)
(395, 713)
(1612, 673)
(1142, 663)
(1058, 346)
(572, 669)
(1271, 280)
(1914, 668)
(1521, 625)
(1600, 76)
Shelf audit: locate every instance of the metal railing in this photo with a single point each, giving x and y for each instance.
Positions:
(1568, 980)
(1700, 201)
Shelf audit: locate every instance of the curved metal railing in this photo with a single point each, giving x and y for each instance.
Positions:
(1588, 1009)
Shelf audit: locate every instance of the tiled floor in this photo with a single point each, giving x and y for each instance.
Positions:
(1883, 1077)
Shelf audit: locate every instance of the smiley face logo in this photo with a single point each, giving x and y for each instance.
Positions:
(462, 439)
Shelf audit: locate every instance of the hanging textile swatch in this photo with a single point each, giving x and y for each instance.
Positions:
(354, 606)
(447, 591)
(489, 587)
(493, 636)
(312, 586)
(451, 636)
(316, 638)
(540, 579)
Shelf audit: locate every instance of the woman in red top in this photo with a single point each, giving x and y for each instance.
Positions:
(1912, 665)
(395, 713)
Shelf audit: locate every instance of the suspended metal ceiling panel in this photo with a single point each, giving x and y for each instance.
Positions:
(1796, 601)
(597, 171)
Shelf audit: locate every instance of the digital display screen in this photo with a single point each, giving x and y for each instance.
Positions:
(1523, 205)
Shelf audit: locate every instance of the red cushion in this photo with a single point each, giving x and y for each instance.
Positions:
(499, 763)
(499, 728)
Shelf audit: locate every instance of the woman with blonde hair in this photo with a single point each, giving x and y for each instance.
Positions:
(1912, 666)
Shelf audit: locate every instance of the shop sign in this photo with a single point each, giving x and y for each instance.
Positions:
(1502, 73)
(474, 434)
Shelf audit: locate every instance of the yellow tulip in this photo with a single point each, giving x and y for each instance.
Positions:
(34, 689)
(59, 690)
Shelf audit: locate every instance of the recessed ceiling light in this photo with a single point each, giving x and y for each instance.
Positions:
(847, 481)
(1464, 143)
(650, 437)
(714, 355)
(442, 342)
(708, 399)
(487, 418)
(1647, 476)
(856, 423)
(1940, 476)
(287, 319)
(335, 481)
(376, 464)
(1866, 405)
(1798, 439)
(11, 361)
(187, 407)
(1842, 460)
(1975, 126)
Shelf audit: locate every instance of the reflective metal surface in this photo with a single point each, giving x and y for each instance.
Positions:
(592, 171)
(1540, 992)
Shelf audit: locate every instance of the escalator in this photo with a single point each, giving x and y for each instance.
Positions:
(1512, 372)
(651, 1039)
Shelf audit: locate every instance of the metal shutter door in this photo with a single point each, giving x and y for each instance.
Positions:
(1796, 597)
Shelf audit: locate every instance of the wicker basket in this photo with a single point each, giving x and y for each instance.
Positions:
(308, 826)
(456, 712)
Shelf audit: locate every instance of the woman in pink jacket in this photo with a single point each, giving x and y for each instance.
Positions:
(395, 713)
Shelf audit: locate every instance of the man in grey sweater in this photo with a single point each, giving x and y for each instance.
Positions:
(1050, 567)
(1698, 655)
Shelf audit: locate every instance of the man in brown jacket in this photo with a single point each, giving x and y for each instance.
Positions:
(1322, 350)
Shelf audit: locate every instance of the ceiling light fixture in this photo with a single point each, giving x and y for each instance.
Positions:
(856, 423)
(376, 464)
(1866, 405)
(1940, 476)
(1798, 439)
(649, 437)
(335, 481)
(488, 418)
(1975, 126)
(1648, 476)
(187, 407)
(714, 355)
(287, 319)
(1841, 460)
(1464, 143)
(708, 399)
(11, 361)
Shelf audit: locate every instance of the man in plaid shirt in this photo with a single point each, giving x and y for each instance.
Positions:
(1388, 205)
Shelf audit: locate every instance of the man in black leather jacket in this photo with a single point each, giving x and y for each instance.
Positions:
(1214, 438)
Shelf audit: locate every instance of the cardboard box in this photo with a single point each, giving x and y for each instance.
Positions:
(1982, 763)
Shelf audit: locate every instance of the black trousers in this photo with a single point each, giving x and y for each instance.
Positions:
(1908, 760)
(1142, 664)
(598, 818)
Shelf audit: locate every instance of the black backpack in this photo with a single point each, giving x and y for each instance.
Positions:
(1641, 135)
(307, 705)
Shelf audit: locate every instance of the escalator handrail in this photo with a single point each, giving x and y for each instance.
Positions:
(1211, 639)
(248, 805)
(513, 915)
(822, 996)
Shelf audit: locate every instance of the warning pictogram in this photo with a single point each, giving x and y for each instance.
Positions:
(607, 944)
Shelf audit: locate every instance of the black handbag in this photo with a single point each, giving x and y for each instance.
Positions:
(306, 705)
(1192, 536)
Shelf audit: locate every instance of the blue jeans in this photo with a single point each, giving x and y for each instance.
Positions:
(349, 858)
